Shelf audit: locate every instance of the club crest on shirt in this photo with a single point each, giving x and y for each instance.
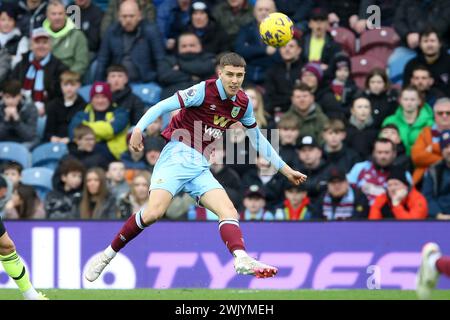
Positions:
(235, 111)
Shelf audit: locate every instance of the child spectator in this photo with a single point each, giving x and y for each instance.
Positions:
(401, 201)
(335, 152)
(97, 202)
(254, 203)
(361, 134)
(83, 148)
(296, 205)
(63, 202)
(341, 201)
(382, 98)
(289, 133)
(411, 116)
(13, 171)
(24, 204)
(137, 196)
(61, 110)
(18, 118)
(116, 180)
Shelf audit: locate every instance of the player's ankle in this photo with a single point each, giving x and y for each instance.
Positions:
(239, 253)
(109, 252)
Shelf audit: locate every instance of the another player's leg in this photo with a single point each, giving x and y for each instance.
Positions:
(158, 202)
(14, 267)
(218, 202)
(433, 264)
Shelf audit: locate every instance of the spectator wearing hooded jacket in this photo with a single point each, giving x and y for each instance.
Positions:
(401, 201)
(202, 23)
(68, 43)
(31, 15)
(132, 42)
(13, 44)
(63, 202)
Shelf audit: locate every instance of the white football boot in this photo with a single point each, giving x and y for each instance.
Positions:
(427, 276)
(96, 267)
(249, 266)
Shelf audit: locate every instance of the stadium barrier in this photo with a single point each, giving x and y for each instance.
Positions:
(347, 255)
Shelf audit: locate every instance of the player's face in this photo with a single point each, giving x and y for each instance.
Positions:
(7, 24)
(383, 154)
(140, 186)
(410, 100)
(93, 183)
(430, 44)
(337, 189)
(376, 84)
(232, 78)
(442, 115)
(291, 51)
(117, 80)
(421, 80)
(56, 15)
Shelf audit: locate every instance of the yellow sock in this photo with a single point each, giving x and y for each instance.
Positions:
(15, 269)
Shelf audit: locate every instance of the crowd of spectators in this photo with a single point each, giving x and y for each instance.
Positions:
(377, 151)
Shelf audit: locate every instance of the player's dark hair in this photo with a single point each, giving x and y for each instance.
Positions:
(385, 140)
(71, 165)
(12, 88)
(232, 59)
(116, 68)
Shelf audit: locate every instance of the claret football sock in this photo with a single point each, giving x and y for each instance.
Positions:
(231, 235)
(130, 230)
(16, 270)
(443, 265)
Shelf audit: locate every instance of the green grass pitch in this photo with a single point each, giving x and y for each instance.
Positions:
(210, 294)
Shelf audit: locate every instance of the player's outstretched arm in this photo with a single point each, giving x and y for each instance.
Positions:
(263, 146)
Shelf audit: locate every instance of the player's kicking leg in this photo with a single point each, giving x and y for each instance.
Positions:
(433, 264)
(158, 202)
(218, 202)
(14, 267)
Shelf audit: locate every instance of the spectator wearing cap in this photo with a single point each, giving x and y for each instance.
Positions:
(311, 163)
(361, 133)
(90, 19)
(202, 23)
(296, 205)
(426, 150)
(39, 71)
(132, 42)
(371, 175)
(172, 18)
(318, 44)
(112, 12)
(13, 44)
(401, 201)
(411, 117)
(335, 152)
(117, 78)
(231, 15)
(152, 150)
(313, 76)
(30, 15)
(282, 76)
(108, 121)
(436, 182)
(189, 65)
(341, 201)
(226, 176)
(68, 43)
(254, 205)
(249, 45)
(309, 115)
(6, 191)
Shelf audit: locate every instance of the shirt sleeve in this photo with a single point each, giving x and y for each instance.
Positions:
(261, 145)
(192, 96)
(167, 105)
(248, 120)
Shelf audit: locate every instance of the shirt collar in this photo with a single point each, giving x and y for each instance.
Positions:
(222, 93)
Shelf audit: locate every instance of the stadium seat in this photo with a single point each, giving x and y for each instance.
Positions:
(84, 92)
(13, 151)
(40, 178)
(345, 38)
(48, 154)
(361, 66)
(150, 92)
(397, 63)
(379, 43)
